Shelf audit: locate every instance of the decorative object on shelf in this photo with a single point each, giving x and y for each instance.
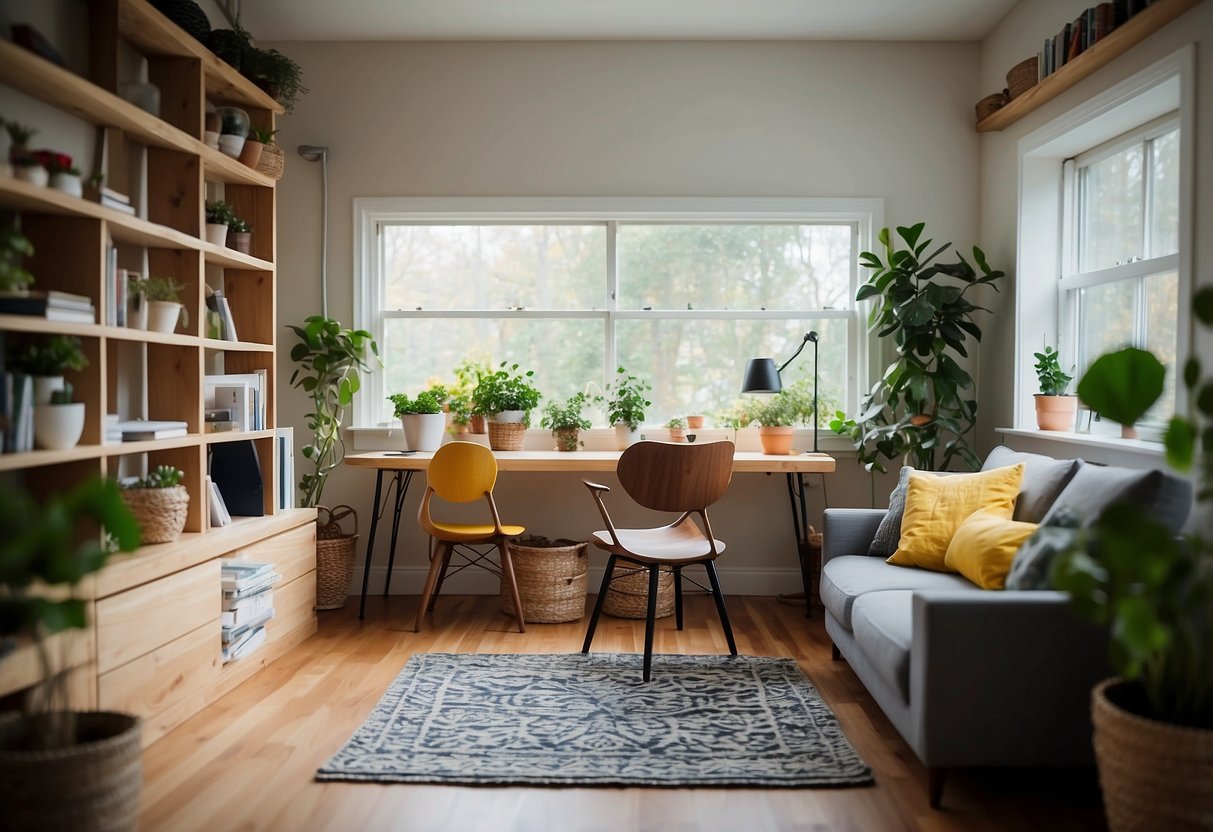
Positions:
(47, 359)
(1055, 409)
(676, 427)
(60, 768)
(18, 137)
(272, 162)
(255, 145)
(918, 409)
(330, 359)
(422, 418)
(28, 37)
(211, 126)
(565, 421)
(219, 218)
(761, 376)
(230, 46)
(162, 297)
(551, 579)
(159, 503)
(507, 397)
(14, 248)
(144, 96)
(1123, 386)
(186, 14)
(63, 175)
(625, 404)
(59, 423)
(334, 556)
(234, 130)
(239, 236)
(1022, 77)
(279, 76)
(991, 103)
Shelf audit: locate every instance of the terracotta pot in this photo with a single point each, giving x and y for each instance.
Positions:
(676, 435)
(250, 154)
(1055, 412)
(1128, 432)
(776, 441)
(567, 439)
(694, 422)
(479, 423)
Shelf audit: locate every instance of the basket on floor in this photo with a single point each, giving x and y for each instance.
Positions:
(334, 556)
(551, 578)
(1022, 77)
(506, 436)
(272, 162)
(628, 596)
(160, 511)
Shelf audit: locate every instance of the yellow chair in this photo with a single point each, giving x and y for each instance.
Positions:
(462, 472)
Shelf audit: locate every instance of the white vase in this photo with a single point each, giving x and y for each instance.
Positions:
(68, 183)
(58, 426)
(423, 431)
(44, 386)
(162, 315)
(216, 233)
(35, 175)
(625, 437)
(211, 139)
(509, 416)
(231, 145)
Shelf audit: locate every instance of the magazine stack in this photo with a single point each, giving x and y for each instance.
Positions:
(248, 603)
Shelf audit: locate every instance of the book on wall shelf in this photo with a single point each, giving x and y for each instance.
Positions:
(143, 430)
(64, 307)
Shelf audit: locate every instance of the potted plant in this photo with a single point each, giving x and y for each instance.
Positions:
(625, 403)
(676, 426)
(694, 422)
(162, 297)
(1055, 410)
(254, 145)
(922, 408)
(507, 396)
(1154, 724)
(159, 502)
(47, 359)
(565, 421)
(468, 376)
(1123, 386)
(59, 423)
(64, 176)
(239, 236)
(28, 169)
(776, 415)
(61, 768)
(233, 130)
(275, 73)
(219, 216)
(230, 45)
(422, 418)
(18, 138)
(14, 248)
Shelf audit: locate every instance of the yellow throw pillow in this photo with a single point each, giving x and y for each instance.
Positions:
(984, 546)
(936, 506)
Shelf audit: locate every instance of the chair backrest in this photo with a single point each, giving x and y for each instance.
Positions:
(462, 471)
(668, 476)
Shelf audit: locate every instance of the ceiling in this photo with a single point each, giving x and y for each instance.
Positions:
(914, 20)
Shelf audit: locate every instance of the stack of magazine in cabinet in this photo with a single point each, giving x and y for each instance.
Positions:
(248, 603)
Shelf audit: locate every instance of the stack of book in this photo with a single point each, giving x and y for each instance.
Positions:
(16, 413)
(1088, 29)
(110, 198)
(248, 603)
(143, 430)
(52, 305)
(242, 395)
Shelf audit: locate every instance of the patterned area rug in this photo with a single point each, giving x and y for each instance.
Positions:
(589, 720)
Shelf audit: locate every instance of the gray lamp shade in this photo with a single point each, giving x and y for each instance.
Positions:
(761, 376)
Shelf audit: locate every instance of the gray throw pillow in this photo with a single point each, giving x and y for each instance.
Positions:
(888, 533)
(1032, 566)
(1043, 480)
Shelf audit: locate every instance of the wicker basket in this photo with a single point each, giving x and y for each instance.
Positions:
(628, 596)
(1154, 775)
(334, 557)
(159, 511)
(272, 162)
(551, 577)
(506, 436)
(1022, 77)
(991, 104)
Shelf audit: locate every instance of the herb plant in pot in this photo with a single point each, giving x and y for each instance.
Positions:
(59, 423)
(162, 296)
(47, 359)
(18, 138)
(254, 146)
(565, 421)
(422, 418)
(1055, 409)
(507, 396)
(776, 416)
(677, 429)
(59, 768)
(626, 403)
(160, 503)
(239, 235)
(219, 216)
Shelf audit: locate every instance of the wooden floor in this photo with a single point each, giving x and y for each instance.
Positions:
(247, 762)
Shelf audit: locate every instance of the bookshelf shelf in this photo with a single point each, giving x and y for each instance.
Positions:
(1119, 41)
(236, 346)
(219, 167)
(236, 436)
(33, 323)
(232, 259)
(35, 459)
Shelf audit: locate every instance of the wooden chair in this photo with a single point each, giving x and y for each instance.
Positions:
(665, 476)
(462, 472)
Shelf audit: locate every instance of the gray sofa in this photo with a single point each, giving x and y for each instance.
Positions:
(974, 677)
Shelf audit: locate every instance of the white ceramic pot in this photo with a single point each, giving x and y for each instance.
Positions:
(33, 174)
(68, 183)
(58, 426)
(423, 431)
(231, 145)
(211, 139)
(510, 416)
(163, 315)
(216, 233)
(625, 437)
(44, 386)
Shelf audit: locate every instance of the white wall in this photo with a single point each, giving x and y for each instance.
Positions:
(623, 119)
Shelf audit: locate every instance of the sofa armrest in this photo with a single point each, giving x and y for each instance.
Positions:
(1002, 678)
(848, 531)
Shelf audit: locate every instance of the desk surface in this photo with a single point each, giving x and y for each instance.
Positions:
(743, 461)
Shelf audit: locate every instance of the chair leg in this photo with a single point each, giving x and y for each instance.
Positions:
(446, 562)
(602, 591)
(678, 596)
(437, 558)
(507, 575)
(650, 620)
(719, 596)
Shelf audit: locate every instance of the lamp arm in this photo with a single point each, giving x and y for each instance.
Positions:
(808, 336)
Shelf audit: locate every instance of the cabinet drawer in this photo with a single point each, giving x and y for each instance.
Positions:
(293, 553)
(133, 623)
(294, 603)
(166, 676)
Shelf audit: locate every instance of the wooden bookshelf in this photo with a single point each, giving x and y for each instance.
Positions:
(1116, 43)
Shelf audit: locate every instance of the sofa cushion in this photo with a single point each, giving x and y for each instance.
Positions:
(1032, 566)
(883, 625)
(936, 506)
(984, 546)
(884, 542)
(1165, 497)
(846, 578)
(1043, 479)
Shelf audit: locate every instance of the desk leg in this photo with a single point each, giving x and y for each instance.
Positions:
(370, 541)
(402, 488)
(800, 524)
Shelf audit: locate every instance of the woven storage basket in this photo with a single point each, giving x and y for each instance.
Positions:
(334, 557)
(1154, 775)
(506, 436)
(991, 104)
(94, 784)
(628, 596)
(1021, 77)
(551, 577)
(160, 511)
(272, 162)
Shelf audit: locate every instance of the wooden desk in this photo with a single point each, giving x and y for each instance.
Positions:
(403, 466)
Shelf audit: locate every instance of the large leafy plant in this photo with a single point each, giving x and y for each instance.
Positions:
(1123, 385)
(923, 406)
(428, 401)
(331, 359)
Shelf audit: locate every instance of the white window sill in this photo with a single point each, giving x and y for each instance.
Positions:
(1089, 440)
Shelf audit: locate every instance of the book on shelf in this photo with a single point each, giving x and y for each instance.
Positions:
(248, 644)
(235, 633)
(218, 509)
(143, 430)
(52, 305)
(245, 577)
(218, 303)
(286, 467)
(243, 393)
(17, 412)
(239, 611)
(113, 429)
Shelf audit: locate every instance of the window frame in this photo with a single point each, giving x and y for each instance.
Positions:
(371, 213)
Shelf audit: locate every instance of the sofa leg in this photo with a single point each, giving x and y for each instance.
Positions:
(835, 653)
(935, 777)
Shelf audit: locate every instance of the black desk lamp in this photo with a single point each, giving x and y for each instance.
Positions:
(761, 376)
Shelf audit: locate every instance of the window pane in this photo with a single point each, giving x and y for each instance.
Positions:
(1105, 318)
(494, 266)
(1162, 313)
(696, 366)
(565, 354)
(1111, 210)
(1164, 210)
(734, 266)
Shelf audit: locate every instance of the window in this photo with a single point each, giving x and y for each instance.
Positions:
(680, 298)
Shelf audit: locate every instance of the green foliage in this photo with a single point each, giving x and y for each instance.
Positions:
(275, 73)
(789, 406)
(505, 389)
(1053, 381)
(63, 395)
(566, 415)
(427, 401)
(220, 213)
(157, 288)
(330, 359)
(625, 400)
(14, 248)
(922, 407)
(239, 226)
(265, 136)
(1122, 385)
(19, 134)
(162, 476)
(52, 355)
(676, 422)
